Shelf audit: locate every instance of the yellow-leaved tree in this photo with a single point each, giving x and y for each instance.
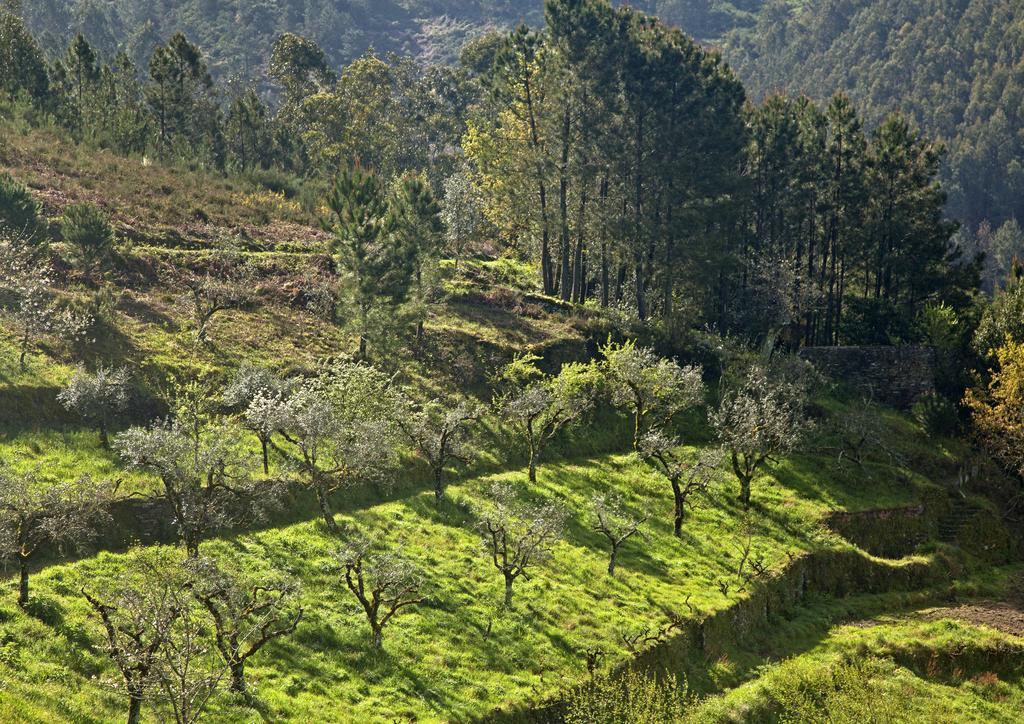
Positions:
(997, 410)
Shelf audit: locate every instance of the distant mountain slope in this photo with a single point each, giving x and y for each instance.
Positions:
(237, 34)
(956, 66)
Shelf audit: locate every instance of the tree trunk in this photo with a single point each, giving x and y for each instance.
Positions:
(508, 590)
(22, 581)
(611, 560)
(419, 336)
(134, 708)
(266, 458)
(238, 678)
(680, 508)
(565, 290)
(325, 509)
(362, 347)
(104, 438)
(438, 484)
(24, 353)
(745, 491)
(377, 640)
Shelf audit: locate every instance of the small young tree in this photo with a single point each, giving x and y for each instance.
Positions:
(760, 419)
(19, 212)
(539, 406)
(342, 425)
(462, 213)
(614, 522)
(137, 620)
(383, 583)
(378, 264)
(87, 231)
(34, 513)
(417, 223)
(246, 615)
(98, 398)
(226, 282)
(516, 535)
(438, 434)
(187, 672)
(260, 394)
(659, 449)
(654, 389)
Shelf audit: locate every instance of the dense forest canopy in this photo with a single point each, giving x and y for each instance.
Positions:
(953, 66)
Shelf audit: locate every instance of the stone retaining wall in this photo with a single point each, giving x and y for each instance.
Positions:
(891, 375)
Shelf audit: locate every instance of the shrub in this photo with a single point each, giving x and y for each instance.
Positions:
(19, 212)
(936, 414)
(88, 233)
(630, 698)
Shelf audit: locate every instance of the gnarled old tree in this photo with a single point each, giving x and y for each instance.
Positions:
(36, 513)
(438, 434)
(761, 418)
(383, 583)
(659, 449)
(539, 405)
(518, 535)
(246, 614)
(654, 389)
(137, 616)
(204, 476)
(341, 425)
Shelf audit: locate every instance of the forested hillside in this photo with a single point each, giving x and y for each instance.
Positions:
(953, 67)
(548, 377)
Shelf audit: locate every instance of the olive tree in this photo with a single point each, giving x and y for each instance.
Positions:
(539, 406)
(97, 397)
(614, 522)
(659, 449)
(137, 616)
(438, 435)
(226, 281)
(203, 476)
(246, 614)
(36, 513)
(342, 427)
(654, 389)
(383, 583)
(761, 418)
(518, 535)
(260, 394)
(33, 308)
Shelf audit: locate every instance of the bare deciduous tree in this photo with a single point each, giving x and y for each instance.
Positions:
(97, 397)
(226, 282)
(438, 435)
(615, 523)
(517, 535)
(659, 449)
(654, 389)
(246, 616)
(539, 406)
(34, 513)
(760, 419)
(384, 583)
(342, 425)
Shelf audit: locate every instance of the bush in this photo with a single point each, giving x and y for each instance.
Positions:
(88, 232)
(19, 212)
(936, 414)
(630, 698)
